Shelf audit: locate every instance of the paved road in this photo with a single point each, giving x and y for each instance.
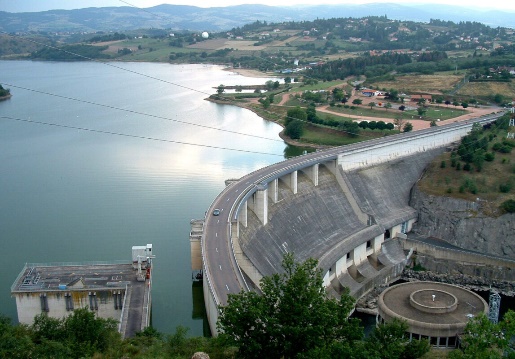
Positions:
(221, 270)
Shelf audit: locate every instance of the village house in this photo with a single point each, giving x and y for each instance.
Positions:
(417, 98)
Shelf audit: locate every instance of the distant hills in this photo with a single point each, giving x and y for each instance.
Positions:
(179, 17)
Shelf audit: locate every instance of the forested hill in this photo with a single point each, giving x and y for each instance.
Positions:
(178, 17)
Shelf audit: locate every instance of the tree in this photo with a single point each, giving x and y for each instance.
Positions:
(265, 101)
(484, 339)
(287, 80)
(498, 98)
(357, 101)
(79, 335)
(433, 123)
(381, 125)
(421, 111)
(292, 318)
(387, 106)
(399, 122)
(363, 124)
(311, 113)
(220, 89)
(4, 92)
(408, 127)
(296, 113)
(391, 342)
(338, 94)
(371, 104)
(270, 85)
(402, 107)
(352, 128)
(294, 129)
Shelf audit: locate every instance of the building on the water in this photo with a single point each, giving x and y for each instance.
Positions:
(117, 290)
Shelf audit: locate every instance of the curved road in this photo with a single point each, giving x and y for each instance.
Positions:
(220, 267)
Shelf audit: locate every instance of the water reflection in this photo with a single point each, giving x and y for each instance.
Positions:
(293, 151)
(199, 310)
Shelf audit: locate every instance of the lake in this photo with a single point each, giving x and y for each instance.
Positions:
(83, 182)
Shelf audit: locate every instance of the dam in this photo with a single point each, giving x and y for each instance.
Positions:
(347, 207)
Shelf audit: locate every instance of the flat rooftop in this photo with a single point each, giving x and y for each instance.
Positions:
(397, 299)
(75, 276)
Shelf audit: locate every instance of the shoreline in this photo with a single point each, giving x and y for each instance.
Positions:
(283, 137)
(250, 72)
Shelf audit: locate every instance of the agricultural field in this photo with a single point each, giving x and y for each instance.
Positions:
(433, 84)
(487, 89)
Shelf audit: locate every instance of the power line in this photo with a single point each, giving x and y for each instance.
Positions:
(135, 136)
(172, 83)
(140, 113)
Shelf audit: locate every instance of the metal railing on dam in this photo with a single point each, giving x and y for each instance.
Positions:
(222, 274)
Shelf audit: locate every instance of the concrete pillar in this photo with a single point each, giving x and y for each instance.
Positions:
(261, 204)
(312, 173)
(360, 253)
(273, 190)
(243, 215)
(378, 242)
(293, 182)
(341, 265)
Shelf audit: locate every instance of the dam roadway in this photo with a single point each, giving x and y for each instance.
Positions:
(222, 274)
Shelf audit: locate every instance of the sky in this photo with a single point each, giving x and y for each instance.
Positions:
(42, 5)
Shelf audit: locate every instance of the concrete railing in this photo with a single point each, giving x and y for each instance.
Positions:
(434, 137)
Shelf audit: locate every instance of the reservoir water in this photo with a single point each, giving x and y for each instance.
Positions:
(82, 182)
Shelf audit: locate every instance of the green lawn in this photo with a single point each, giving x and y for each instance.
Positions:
(329, 137)
(433, 113)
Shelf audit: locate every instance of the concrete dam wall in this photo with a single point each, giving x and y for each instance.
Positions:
(345, 210)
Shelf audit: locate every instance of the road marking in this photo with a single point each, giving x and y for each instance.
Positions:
(218, 221)
(216, 249)
(216, 234)
(226, 286)
(220, 267)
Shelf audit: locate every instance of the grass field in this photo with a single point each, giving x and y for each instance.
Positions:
(487, 89)
(435, 84)
(446, 181)
(330, 137)
(433, 112)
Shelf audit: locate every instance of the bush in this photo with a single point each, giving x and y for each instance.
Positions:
(505, 187)
(508, 206)
(504, 147)
(489, 156)
(467, 167)
(442, 164)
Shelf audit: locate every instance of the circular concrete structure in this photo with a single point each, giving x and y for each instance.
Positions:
(432, 310)
(433, 301)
